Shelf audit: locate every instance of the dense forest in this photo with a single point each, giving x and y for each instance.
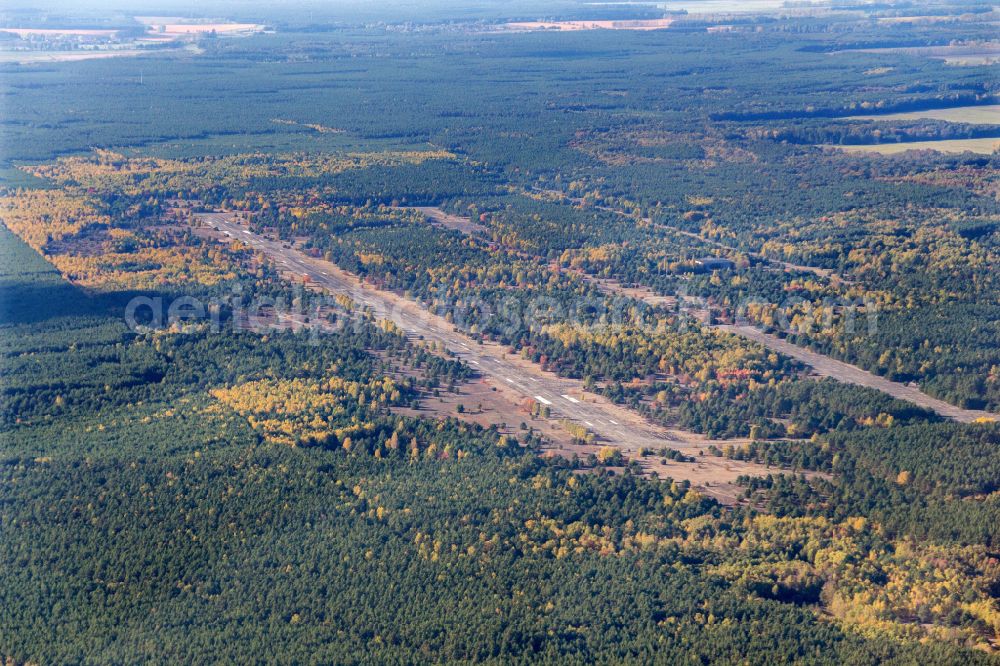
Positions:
(203, 489)
(150, 513)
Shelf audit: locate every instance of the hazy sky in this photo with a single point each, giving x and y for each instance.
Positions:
(295, 11)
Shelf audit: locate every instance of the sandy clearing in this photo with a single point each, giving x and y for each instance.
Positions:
(486, 403)
(636, 292)
(447, 220)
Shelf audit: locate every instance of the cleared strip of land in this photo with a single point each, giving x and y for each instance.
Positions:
(520, 379)
(821, 364)
(845, 372)
(449, 221)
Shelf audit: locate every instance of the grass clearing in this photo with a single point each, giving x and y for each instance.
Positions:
(14, 177)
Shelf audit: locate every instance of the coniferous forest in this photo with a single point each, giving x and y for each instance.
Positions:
(285, 293)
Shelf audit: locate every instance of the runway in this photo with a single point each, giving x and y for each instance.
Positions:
(611, 425)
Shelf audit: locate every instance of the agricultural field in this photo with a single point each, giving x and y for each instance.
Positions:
(654, 24)
(954, 146)
(440, 333)
(988, 114)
